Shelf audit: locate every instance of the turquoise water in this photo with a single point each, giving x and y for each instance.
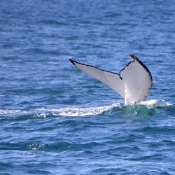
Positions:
(54, 119)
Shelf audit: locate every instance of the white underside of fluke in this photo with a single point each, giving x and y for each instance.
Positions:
(133, 82)
(128, 99)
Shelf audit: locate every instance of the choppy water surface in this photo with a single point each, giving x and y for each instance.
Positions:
(54, 119)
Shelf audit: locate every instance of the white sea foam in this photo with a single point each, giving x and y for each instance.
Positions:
(8, 111)
(98, 110)
(155, 103)
(82, 111)
(75, 111)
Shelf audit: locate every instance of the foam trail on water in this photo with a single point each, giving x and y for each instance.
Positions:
(75, 111)
(83, 111)
(68, 111)
(11, 111)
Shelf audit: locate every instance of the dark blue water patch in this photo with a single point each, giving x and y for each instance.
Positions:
(11, 146)
(56, 23)
(4, 167)
(159, 130)
(170, 110)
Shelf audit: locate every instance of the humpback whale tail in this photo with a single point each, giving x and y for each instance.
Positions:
(133, 82)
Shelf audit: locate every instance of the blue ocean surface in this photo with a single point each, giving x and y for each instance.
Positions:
(55, 119)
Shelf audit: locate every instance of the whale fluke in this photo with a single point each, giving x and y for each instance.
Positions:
(133, 82)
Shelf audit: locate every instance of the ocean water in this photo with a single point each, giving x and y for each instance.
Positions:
(54, 119)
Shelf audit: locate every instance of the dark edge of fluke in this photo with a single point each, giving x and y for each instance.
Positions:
(73, 62)
(131, 55)
(135, 58)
